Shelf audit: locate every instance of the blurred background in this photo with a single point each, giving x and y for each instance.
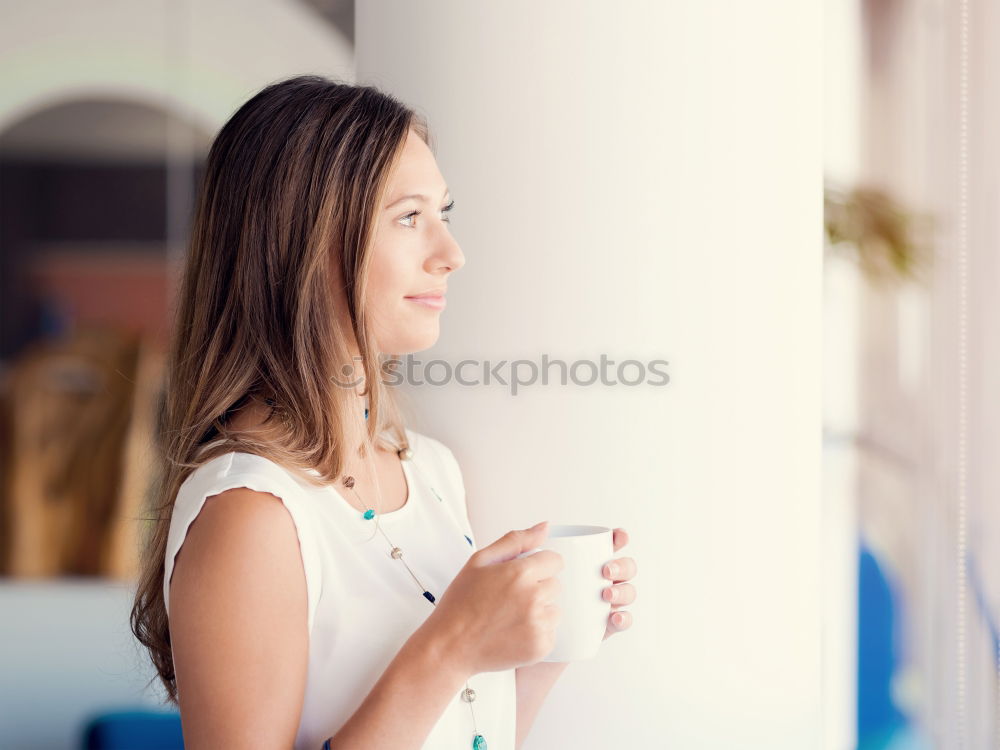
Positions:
(107, 111)
(910, 359)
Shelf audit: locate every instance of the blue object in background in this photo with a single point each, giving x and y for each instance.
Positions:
(877, 658)
(881, 725)
(128, 730)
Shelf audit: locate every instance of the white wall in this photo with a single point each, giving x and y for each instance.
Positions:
(67, 652)
(641, 181)
(202, 59)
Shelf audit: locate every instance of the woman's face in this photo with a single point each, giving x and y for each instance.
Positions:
(414, 254)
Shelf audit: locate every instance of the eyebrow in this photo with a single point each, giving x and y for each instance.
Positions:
(418, 196)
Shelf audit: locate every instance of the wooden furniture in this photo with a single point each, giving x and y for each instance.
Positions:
(79, 419)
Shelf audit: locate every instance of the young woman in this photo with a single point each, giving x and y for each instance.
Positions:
(314, 554)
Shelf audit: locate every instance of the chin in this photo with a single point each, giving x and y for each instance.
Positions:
(415, 342)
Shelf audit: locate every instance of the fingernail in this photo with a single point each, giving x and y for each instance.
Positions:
(618, 620)
(612, 570)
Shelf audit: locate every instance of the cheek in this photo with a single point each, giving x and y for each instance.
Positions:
(382, 279)
(388, 272)
(387, 285)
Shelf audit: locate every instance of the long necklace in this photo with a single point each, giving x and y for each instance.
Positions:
(405, 454)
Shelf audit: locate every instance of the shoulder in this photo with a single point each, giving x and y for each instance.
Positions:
(422, 442)
(427, 449)
(435, 456)
(238, 470)
(241, 525)
(235, 464)
(241, 502)
(249, 483)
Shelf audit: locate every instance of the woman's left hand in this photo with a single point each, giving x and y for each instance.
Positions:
(622, 569)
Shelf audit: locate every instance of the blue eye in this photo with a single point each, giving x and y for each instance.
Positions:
(444, 212)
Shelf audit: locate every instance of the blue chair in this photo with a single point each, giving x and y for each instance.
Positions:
(132, 729)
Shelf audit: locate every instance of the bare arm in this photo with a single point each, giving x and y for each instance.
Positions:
(238, 615)
(238, 623)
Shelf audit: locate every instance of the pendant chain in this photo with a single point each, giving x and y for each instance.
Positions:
(468, 695)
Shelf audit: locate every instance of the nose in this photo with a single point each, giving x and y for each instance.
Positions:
(447, 252)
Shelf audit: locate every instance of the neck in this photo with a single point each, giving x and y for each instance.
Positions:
(251, 418)
(357, 426)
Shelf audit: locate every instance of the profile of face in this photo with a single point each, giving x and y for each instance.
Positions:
(414, 254)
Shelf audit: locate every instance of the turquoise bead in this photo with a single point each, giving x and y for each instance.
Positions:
(479, 743)
(369, 514)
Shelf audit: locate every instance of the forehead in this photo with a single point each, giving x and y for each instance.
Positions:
(416, 171)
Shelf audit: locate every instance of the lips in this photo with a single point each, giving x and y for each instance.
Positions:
(433, 301)
(434, 291)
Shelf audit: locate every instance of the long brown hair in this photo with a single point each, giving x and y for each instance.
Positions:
(286, 212)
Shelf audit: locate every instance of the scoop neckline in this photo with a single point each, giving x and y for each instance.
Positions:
(400, 512)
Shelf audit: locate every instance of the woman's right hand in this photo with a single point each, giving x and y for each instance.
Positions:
(499, 611)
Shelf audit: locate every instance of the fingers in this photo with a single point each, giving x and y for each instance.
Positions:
(621, 569)
(619, 538)
(621, 593)
(542, 564)
(621, 620)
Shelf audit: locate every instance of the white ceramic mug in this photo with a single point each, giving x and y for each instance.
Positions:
(585, 550)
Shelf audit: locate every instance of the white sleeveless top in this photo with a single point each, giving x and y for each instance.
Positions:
(363, 604)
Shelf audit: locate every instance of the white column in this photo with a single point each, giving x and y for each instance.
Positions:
(641, 181)
(842, 297)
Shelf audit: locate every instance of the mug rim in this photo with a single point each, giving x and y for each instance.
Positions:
(582, 530)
